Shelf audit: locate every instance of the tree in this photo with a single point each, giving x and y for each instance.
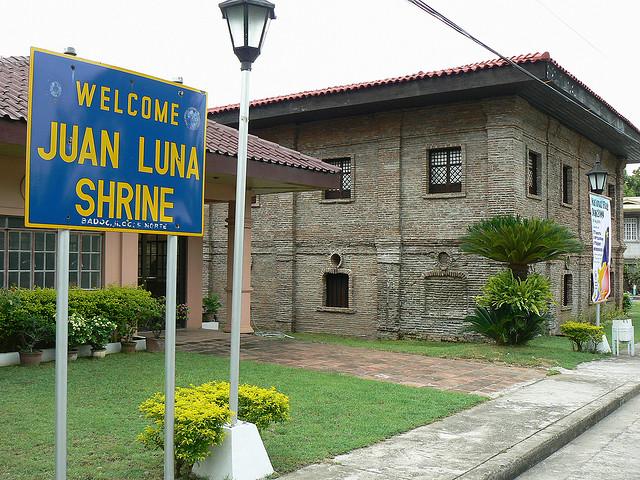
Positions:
(632, 183)
(519, 242)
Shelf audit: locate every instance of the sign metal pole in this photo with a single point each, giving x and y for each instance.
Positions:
(170, 356)
(238, 247)
(62, 339)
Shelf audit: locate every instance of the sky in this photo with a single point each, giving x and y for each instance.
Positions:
(319, 43)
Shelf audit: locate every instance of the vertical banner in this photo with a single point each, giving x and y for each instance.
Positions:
(601, 233)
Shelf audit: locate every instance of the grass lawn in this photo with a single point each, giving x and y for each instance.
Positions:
(331, 414)
(541, 352)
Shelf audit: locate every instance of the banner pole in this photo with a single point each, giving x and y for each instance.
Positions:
(62, 339)
(170, 356)
(598, 314)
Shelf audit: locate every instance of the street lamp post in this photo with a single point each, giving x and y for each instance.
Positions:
(597, 181)
(248, 21)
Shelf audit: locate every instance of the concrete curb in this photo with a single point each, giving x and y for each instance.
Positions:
(517, 459)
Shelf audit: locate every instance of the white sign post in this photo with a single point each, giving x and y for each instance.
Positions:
(170, 355)
(62, 340)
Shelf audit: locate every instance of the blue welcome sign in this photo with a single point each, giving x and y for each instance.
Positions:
(111, 149)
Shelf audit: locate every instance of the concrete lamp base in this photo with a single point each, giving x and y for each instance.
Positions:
(240, 456)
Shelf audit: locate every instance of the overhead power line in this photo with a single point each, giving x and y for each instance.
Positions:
(570, 27)
(451, 24)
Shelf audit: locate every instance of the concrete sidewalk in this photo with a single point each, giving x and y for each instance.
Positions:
(499, 439)
(608, 450)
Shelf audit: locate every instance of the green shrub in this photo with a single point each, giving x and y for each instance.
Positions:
(8, 320)
(530, 295)
(124, 306)
(34, 317)
(582, 334)
(626, 303)
(507, 326)
(259, 406)
(79, 330)
(200, 413)
(211, 304)
(100, 331)
(34, 330)
(40, 302)
(198, 425)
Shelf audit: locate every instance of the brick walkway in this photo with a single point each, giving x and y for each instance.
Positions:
(482, 378)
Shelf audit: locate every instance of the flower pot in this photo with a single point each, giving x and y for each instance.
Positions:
(31, 358)
(72, 354)
(128, 347)
(155, 344)
(99, 353)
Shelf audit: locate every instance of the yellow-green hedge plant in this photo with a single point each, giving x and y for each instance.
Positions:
(201, 412)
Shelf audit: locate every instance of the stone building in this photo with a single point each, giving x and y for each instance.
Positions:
(422, 157)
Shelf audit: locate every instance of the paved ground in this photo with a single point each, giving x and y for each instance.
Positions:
(482, 378)
(610, 449)
(500, 438)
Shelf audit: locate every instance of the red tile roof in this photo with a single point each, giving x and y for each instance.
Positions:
(14, 85)
(224, 140)
(448, 72)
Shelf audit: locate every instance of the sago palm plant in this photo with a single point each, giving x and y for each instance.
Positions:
(519, 242)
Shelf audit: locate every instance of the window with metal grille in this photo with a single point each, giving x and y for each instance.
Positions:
(28, 257)
(337, 290)
(567, 184)
(534, 167)
(630, 229)
(345, 179)
(567, 290)
(445, 170)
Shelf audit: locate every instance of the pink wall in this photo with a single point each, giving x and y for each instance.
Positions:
(120, 258)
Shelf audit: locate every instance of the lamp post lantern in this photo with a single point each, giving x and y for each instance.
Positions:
(248, 21)
(597, 178)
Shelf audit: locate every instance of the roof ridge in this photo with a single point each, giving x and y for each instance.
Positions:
(531, 57)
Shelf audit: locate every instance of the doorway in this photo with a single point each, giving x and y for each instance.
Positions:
(152, 266)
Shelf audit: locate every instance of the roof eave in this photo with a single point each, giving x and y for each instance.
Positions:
(604, 126)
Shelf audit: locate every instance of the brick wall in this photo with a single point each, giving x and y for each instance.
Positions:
(399, 243)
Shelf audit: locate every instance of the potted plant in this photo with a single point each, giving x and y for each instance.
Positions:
(127, 332)
(182, 314)
(210, 306)
(155, 323)
(101, 330)
(78, 332)
(33, 329)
